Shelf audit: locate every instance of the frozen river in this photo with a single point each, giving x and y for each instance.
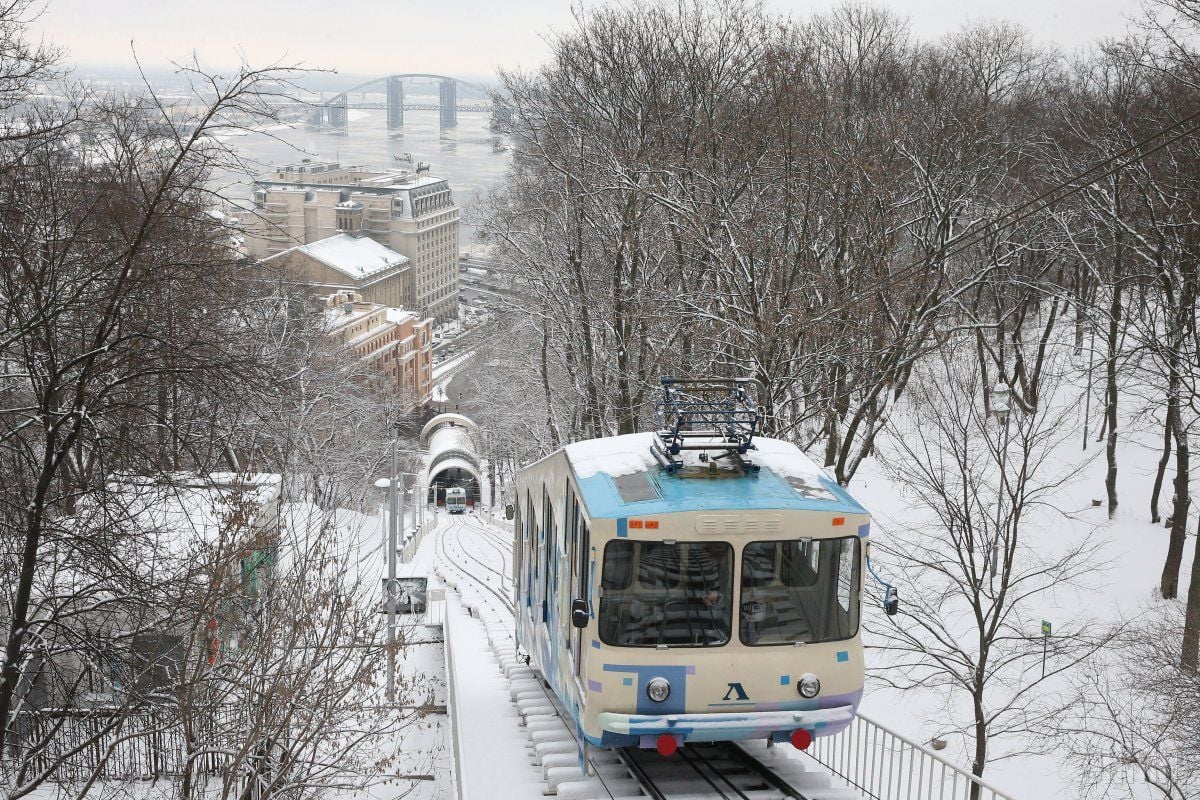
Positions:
(463, 155)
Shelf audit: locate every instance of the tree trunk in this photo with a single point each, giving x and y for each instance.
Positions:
(1190, 659)
(1170, 575)
(10, 669)
(1080, 310)
(977, 766)
(1163, 461)
(1110, 411)
(544, 368)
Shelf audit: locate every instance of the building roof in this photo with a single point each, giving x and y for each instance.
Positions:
(356, 257)
(406, 186)
(346, 313)
(619, 477)
(402, 315)
(192, 510)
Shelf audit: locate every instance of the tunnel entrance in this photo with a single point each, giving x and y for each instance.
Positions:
(453, 476)
(453, 458)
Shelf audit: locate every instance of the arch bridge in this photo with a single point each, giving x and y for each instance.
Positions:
(388, 92)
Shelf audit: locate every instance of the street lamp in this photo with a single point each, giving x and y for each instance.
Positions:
(395, 487)
(1001, 409)
(391, 557)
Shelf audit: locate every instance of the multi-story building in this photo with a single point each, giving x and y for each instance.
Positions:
(414, 215)
(346, 263)
(397, 343)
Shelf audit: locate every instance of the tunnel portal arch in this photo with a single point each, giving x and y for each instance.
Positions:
(449, 440)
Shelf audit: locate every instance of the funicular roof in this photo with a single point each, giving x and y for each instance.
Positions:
(619, 477)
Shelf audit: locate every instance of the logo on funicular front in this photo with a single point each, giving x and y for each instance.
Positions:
(736, 692)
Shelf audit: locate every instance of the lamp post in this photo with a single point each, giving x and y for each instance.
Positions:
(393, 535)
(395, 487)
(1001, 408)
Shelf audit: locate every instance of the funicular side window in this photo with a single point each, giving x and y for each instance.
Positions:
(549, 556)
(535, 564)
(519, 536)
(654, 593)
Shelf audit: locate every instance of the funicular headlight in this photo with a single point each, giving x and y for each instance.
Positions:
(808, 686)
(658, 689)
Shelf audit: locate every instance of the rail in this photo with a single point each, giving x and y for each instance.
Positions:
(884, 765)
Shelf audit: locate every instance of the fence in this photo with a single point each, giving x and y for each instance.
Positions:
(884, 765)
(123, 744)
(412, 541)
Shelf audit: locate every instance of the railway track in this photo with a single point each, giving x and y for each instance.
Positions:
(719, 770)
(449, 544)
(490, 537)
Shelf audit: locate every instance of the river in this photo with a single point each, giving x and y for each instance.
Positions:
(463, 155)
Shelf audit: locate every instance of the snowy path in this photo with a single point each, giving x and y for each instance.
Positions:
(492, 743)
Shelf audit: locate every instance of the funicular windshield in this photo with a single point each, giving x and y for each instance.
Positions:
(799, 591)
(678, 594)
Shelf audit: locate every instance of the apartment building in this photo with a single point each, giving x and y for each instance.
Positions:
(397, 343)
(414, 215)
(346, 263)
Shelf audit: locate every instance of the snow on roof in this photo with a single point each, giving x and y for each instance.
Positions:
(451, 438)
(456, 463)
(785, 458)
(788, 480)
(196, 510)
(354, 256)
(401, 315)
(615, 456)
(336, 318)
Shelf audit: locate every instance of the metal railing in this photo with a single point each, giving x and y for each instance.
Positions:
(884, 765)
(76, 745)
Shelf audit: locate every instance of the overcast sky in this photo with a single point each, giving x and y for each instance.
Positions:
(460, 37)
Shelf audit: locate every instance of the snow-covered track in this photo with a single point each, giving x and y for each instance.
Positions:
(455, 556)
(489, 538)
(719, 770)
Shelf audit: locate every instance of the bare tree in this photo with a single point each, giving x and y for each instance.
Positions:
(973, 562)
(1134, 723)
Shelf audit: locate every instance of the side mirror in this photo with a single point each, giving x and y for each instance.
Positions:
(891, 603)
(579, 613)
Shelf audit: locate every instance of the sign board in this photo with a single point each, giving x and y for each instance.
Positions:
(1046, 627)
(409, 594)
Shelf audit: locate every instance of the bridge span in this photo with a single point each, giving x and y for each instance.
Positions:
(388, 92)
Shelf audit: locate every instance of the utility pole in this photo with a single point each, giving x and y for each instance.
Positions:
(400, 495)
(1001, 410)
(391, 585)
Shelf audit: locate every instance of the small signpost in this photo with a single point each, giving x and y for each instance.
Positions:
(1046, 630)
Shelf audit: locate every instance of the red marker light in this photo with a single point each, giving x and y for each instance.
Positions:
(839, 520)
(801, 739)
(635, 523)
(666, 745)
(652, 524)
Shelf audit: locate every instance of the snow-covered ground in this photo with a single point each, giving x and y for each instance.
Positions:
(1130, 548)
